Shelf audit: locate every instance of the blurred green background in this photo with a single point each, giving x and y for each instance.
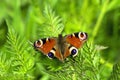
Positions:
(99, 18)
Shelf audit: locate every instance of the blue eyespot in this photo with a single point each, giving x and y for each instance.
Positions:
(73, 51)
(50, 55)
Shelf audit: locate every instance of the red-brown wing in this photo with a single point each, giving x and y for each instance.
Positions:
(45, 45)
(76, 39)
(48, 45)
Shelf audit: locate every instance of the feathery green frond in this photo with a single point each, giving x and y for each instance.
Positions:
(85, 66)
(5, 64)
(115, 74)
(53, 24)
(21, 61)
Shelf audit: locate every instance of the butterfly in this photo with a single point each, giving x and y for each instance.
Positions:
(62, 46)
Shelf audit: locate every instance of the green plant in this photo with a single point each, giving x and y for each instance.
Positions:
(115, 74)
(16, 61)
(23, 22)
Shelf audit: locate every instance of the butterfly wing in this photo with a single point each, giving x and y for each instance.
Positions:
(45, 45)
(48, 47)
(75, 41)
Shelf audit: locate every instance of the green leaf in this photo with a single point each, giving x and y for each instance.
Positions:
(115, 74)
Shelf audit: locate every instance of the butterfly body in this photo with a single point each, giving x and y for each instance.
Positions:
(61, 47)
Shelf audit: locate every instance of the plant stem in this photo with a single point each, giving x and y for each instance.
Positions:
(97, 26)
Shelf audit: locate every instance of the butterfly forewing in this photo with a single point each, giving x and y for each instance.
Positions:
(46, 45)
(75, 39)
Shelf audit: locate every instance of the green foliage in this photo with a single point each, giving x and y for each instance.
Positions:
(24, 21)
(53, 24)
(115, 75)
(16, 61)
(85, 66)
(3, 32)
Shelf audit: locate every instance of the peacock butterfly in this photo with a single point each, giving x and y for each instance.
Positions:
(62, 46)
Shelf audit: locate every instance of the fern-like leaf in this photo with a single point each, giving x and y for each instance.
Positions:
(115, 75)
(22, 61)
(82, 67)
(5, 65)
(53, 24)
